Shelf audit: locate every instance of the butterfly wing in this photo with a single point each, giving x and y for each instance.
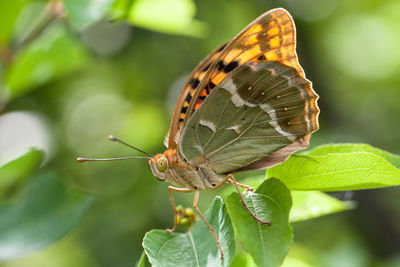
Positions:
(256, 111)
(260, 108)
(187, 95)
(270, 37)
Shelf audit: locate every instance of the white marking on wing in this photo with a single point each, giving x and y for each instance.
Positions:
(273, 72)
(235, 128)
(274, 121)
(176, 138)
(166, 139)
(237, 100)
(199, 148)
(208, 124)
(230, 87)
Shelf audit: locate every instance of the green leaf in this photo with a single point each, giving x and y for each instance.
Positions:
(197, 247)
(81, 13)
(348, 148)
(142, 262)
(268, 245)
(169, 16)
(301, 256)
(243, 259)
(20, 168)
(308, 205)
(53, 54)
(333, 172)
(290, 262)
(120, 9)
(44, 213)
(9, 11)
(253, 181)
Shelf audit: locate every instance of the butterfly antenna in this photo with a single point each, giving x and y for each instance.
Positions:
(113, 138)
(109, 159)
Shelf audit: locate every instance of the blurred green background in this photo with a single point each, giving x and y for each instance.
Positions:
(73, 72)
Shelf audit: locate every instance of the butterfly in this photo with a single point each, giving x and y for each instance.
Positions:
(246, 106)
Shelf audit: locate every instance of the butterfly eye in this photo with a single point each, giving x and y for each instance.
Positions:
(162, 164)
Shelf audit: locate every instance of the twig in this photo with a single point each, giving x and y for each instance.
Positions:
(53, 10)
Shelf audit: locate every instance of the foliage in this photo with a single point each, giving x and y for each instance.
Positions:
(75, 71)
(269, 245)
(27, 222)
(195, 248)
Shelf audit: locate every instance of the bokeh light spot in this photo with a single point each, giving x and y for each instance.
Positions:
(365, 47)
(19, 132)
(93, 110)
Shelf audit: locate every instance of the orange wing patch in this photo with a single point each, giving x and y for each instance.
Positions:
(270, 37)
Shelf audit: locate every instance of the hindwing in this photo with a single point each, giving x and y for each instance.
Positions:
(258, 109)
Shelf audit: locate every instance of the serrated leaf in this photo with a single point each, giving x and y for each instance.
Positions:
(20, 168)
(44, 213)
(81, 13)
(333, 172)
(308, 205)
(268, 245)
(348, 148)
(195, 248)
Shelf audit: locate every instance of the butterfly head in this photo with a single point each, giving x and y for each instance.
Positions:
(160, 164)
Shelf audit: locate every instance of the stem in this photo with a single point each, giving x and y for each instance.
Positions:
(53, 10)
(5, 54)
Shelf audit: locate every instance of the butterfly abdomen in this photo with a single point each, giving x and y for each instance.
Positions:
(200, 177)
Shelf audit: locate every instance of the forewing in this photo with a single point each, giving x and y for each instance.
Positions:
(271, 37)
(187, 95)
(258, 109)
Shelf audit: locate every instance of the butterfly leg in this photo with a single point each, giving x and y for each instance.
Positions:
(232, 178)
(222, 182)
(196, 199)
(177, 189)
(248, 188)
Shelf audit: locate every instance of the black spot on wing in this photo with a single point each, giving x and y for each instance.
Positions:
(262, 57)
(207, 67)
(212, 85)
(231, 66)
(221, 48)
(183, 109)
(194, 83)
(220, 65)
(188, 98)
